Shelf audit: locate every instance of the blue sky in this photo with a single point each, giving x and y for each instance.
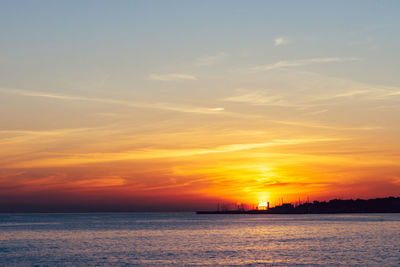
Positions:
(76, 40)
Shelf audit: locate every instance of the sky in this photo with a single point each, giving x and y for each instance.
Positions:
(180, 105)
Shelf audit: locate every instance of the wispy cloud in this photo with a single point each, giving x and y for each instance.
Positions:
(257, 97)
(299, 63)
(13, 137)
(173, 77)
(394, 93)
(304, 90)
(210, 60)
(281, 41)
(322, 126)
(65, 159)
(346, 94)
(161, 106)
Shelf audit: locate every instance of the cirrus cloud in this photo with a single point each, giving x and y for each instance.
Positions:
(284, 64)
(281, 41)
(210, 60)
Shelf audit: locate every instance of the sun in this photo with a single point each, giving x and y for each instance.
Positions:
(263, 206)
(263, 203)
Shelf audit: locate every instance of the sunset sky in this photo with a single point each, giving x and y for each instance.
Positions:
(179, 105)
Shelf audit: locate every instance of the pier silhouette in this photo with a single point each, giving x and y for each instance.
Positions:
(377, 205)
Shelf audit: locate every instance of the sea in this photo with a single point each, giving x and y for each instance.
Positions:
(187, 239)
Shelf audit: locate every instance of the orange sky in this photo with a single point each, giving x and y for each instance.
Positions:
(196, 164)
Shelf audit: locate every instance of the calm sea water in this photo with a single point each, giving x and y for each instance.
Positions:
(124, 239)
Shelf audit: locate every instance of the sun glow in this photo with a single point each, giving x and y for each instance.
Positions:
(263, 206)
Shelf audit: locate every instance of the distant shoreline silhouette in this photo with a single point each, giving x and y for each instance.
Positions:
(376, 205)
